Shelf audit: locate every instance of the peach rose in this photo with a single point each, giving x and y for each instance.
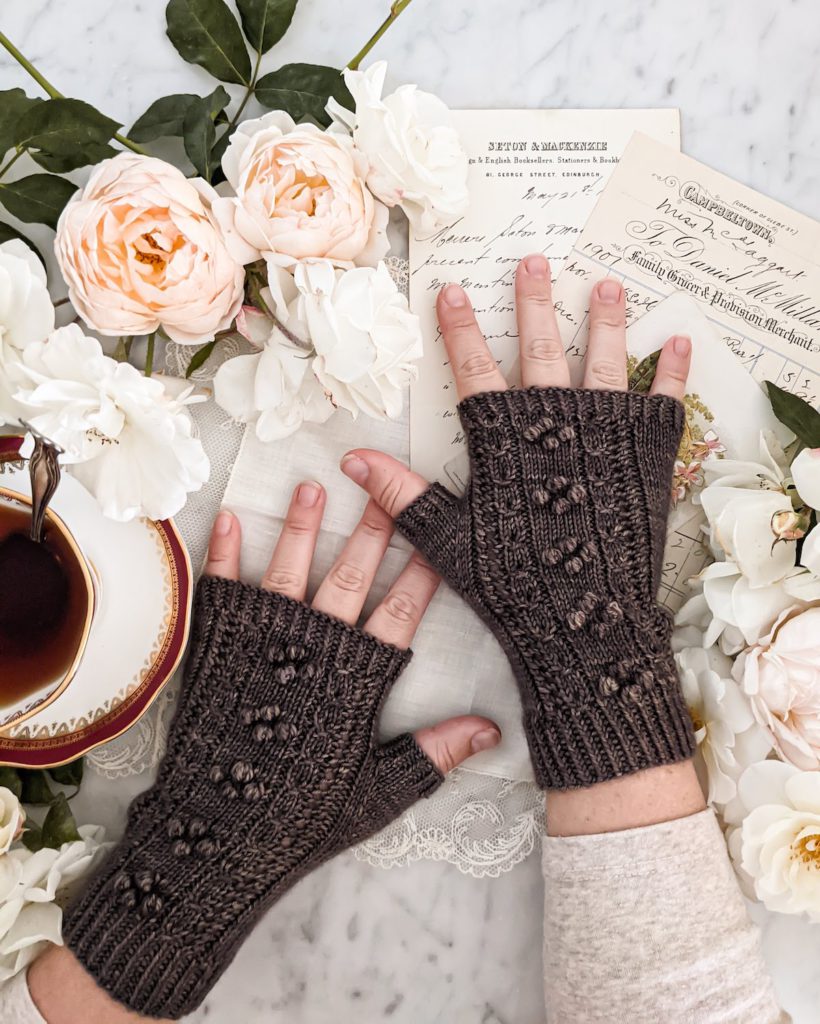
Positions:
(139, 249)
(300, 194)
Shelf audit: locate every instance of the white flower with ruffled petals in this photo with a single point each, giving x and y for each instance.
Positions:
(777, 848)
(349, 342)
(26, 316)
(30, 918)
(754, 534)
(720, 714)
(780, 673)
(128, 441)
(12, 816)
(805, 471)
(366, 338)
(416, 160)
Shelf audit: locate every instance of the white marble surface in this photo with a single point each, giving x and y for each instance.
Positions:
(426, 944)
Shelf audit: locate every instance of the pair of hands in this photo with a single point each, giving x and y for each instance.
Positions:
(392, 486)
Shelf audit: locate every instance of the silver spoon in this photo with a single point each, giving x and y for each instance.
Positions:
(44, 471)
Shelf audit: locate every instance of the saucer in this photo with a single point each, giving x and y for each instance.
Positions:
(138, 635)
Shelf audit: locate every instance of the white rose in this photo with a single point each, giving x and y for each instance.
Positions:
(781, 675)
(275, 388)
(358, 343)
(11, 816)
(29, 884)
(300, 194)
(720, 714)
(366, 338)
(805, 471)
(730, 611)
(753, 534)
(416, 160)
(777, 848)
(130, 442)
(26, 315)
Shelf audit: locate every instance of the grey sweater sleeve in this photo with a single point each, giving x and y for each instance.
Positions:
(649, 925)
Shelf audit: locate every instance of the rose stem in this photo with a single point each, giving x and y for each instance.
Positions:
(52, 92)
(149, 355)
(397, 7)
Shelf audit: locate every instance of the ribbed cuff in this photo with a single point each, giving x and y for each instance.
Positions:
(520, 407)
(610, 737)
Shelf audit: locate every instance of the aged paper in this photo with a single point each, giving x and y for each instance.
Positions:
(535, 176)
(744, 274)
(667, 223)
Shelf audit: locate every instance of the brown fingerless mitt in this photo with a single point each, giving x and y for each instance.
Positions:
(557, 545)
(272, 767)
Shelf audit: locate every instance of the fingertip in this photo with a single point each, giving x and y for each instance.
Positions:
(223, 546)
(536, 265)
(673, 367)
(681, 345)
(453, 296)
(485, 739)
(450, 743)
(355, 467)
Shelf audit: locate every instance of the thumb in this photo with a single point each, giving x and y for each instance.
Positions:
(453, 741)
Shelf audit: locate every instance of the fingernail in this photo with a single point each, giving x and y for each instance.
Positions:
(682, 345)
(354, 467)
(455, 296)
(223, 524)
(307, 494)
(609, 290)
(536, 265)
(485, 740)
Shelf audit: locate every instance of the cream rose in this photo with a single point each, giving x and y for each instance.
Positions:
(139, 249)
(300, 193)
(777, 848)
(781, 676)
(415, 157)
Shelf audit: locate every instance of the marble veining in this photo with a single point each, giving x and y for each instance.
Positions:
(425, 944)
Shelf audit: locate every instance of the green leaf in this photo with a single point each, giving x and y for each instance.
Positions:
(164, 117)
(265, 21)
(10, 778)
(206, 33)
(32, 838)
(797, 415)
(59, 826)
(200, 357)
(36, 789)
(199, 133)
(7, 233)
(37, 199)
(13, 105)
(303, 90)
(641, 377)
(70, 774)
(64, 134)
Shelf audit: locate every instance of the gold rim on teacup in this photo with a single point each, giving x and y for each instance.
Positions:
(18, 716)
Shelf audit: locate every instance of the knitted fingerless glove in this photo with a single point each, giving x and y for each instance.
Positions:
(557, 545)
(272, 768)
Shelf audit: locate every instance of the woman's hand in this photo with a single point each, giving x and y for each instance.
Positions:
(558, 542)
(273, 764)
(342, 594)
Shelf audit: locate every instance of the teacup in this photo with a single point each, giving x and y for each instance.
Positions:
(46, 608)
